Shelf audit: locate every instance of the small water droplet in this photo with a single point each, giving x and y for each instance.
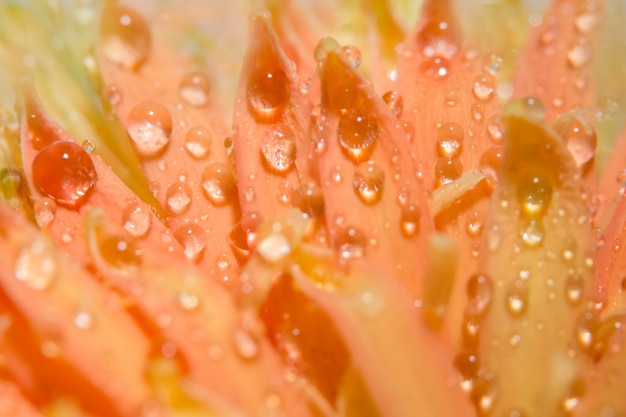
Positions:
(436, 67)
(357, 133)
(534, 194)
(309, 198)
(136, 219)
(585, 329)
(581, 141)
(447, 170)
(121, 253)
(410, 215)
(574, 288)
(195, 88)
(350, 242)
(305, 84)
(37, 265)
(450, 139)
(478, 113)
(369, 179)
(193, 240)
(64, 172)
(125, 36)
(273, 247)
(89, 145)
(353, 54)
(495, 129)
(516, 302)
(83, 319)
(112, 94)
(150, 127)
(394, 101)
(178, 197)
(534, 108)
(474, 224)
(493, 64)
(532, 233)
(218, 183)
(479, 294)
(198, 142)
(409, 130)
(578, 56)
(278, 147)
(45, 209)
(494, 238)
(483, 88)
(245, 344)
(188, 301)
(267, 93)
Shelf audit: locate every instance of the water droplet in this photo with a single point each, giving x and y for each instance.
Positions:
(305, 84)
(83, 319)
(350, 242)
(408, 129)
(452, 96)
(195, 88)
(218, 183)
(37, 265)
(581, 141)
(89, 145)
(534, 194)
(353, 54)
(493, 64)
(586, 22)
(578, 56)
(64, 172)
(478, 113)
(121, 253)
(474, 224)
(534, 108)
(357, 134)
(479, 294)
(532, 233)
(45, 209)
(369, 179)
(585, 329)
(309, 198)
(245, 344)
(450, 139)
(278, 147)
(574, 288)
(178, 197)
(125, 36)
(267, 93)
(516, 302)
(435, 67)
(150, 127)
(188, 301)
(273, 247)
(483, 88)
(447, 170)
(198, 142)
(410, 215)
(136, 219)
(112, 94)
(495, 129)
(494, 238)
(193, 240)
(394, 101)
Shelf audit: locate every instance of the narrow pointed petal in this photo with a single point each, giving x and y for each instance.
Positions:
(375, 206)
(83, 325)
(536, 277)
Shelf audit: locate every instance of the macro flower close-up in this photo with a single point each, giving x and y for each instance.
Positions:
(293, 208)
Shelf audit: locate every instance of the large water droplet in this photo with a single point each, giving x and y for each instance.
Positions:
(150, 127)
(125, 36)
(136, 220)
(309, 198)
(218, 183)
(369, 179)
(450, 139)
(64, 172)
(178, 197)
(267, 94)
(278, 147)
(37, 265)
(198, 142)
(195, 89)
(193, 240)
(357, 133)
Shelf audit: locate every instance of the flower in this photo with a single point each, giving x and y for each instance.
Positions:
(409, 223)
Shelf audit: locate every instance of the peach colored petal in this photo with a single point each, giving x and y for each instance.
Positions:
(13, 403)
(612, 181)
(536, 264)
(374, 205)
(63, 322)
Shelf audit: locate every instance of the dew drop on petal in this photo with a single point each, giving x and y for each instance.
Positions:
(125, 36)
(578, 56)
(120, 252)
(350, 242)
(532, 233)
(195, 89)
(178, 197)
(478, 114)
(534, 194)
(136, 220)
(394, 101)
(309, 198)
(218, 183)
(353, 55)
(37, 265)
(45, 209)
(574, 285)
(245, 344)
(581, 141)
(149, 127)
(64, 172)
(89, 145)
(447, 170)
(483, 88)
(409, 130)
(474, 224)
(83, 319)
(357, 133)
(436, 67)
(479, 294)
(495, 129)
(369, 179)
(450, 139)
(198, 142)
(410, 215)
(267, 93)
(534, 108)
(516, 302)
(278, 147)
(193, 239)
(112, 94)
(188, 301)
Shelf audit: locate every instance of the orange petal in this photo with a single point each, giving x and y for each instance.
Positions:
(536, 273)
(612, 181)
(83, 325)
(13, 403)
